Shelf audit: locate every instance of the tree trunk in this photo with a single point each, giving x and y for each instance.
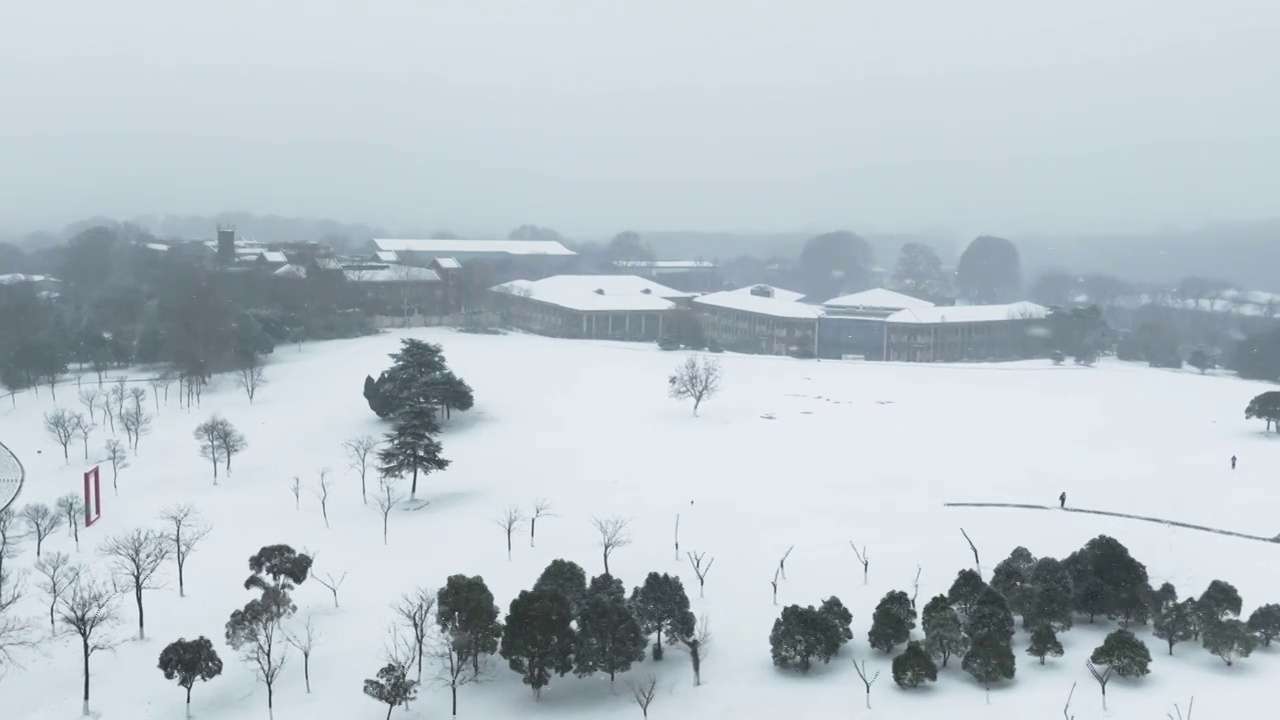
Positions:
(215, 467)
(697, 665)
(606, 562)
(306, 670)
(137, 595)
(182, 589)
(188, 703)
(413, 491)
(270, 704)
(66, 455)
(390, 707)
(84, 643)
(455, 700)
(533, 528)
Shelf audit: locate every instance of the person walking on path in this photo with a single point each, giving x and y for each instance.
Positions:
(1062, 500)
(1233, 462)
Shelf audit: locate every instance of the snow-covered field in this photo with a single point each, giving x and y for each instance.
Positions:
(791, 453)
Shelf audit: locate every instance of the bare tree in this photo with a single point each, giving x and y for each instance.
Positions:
(863, 558)
(359, 450)
(252, 630)
(119, 393)
(137, 396)
(108, 410)
(119, 459)
(331, 583)
(304, 639)
(15, 636)
(1103, 678)
(186, 532)
(251, 376)
(414, 611)
(57, 574)
(42, 520)
(61, 426)
(695, 559)
(696, 379)
(774, 583)
(450, 652)
(613, 535)
(644, 693)
(541, 508)
(387, 499)
(1190, 706)
(160, 382)
(915, 588)
(210, 449)
(135, 559)
(10, 539)
(90, 399)
(509, 522)
(678, 537)
(83, 428)
(782, 564)
(323, 495)
(698, 643)
(136, 423)
(862, 674)
(89, 609)
(1066, 709)
(296, 489)
(72, 508)
(231, 440)
(974, 548)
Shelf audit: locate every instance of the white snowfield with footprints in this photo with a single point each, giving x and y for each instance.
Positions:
(790, 453)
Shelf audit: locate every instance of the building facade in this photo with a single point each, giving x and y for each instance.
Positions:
(760, 319)
(853, 326)
(973, 333)
(597, 307)
(686, 275)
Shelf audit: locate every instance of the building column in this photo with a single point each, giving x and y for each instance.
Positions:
(584, 325)
(610, 325)
(627, 328)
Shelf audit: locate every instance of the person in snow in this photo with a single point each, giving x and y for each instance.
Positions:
(1062, 500)
(1233, 462)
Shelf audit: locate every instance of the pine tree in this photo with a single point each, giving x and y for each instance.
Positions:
(609, 637)
(1044, 642)
(1012, 578)
(944, 633)
(990, 618)
(411, 448)
(188, 661)
(1049, 597)
(418, 375)
(1265, 621)
(1219, 600)
(801, 635)
(1106, 580)
(932, 610)
(834, 609)
(1163, 597)
(568, 579)
(538, 638)
(1229, 640)
(914, 666)
(1174, 623)
(892, 621)
(965, 590)
(989, 661)
(465, 607)
(1127, 656)
(662, 607)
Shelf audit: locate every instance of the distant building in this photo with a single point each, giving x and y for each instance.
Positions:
(687, 275)
(853, 325)
(422, 252)
(965, 333)
(614, 307)
(395, 290)
(760, 319)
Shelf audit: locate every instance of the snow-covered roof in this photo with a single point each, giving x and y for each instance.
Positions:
(273, 256)
(329, 263)
(386, 256)
(969, 314)
(776, 306)
(596, 293)
(158, 247)
(879, 299)
(448, 263)
(666, 264)
(459, 247)
(15, 278)
(778, 293)
(389, 273)
(291, 271)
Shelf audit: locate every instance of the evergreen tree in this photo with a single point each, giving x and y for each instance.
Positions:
(418, 376)
(1265, 621)
(802, 635)
(1012, 578)
(1106, 580)
(892, 621)
(1219, 600)
(965, 590)
(914, 666)
(188, 661)
(662, 607)
(944, 633)
(411, 448)
(1174, 623)
(609, 637)
(1050, 596)
(392, 687)
(1229, 640)
(1044, 641)
(285, 567)
(834, 609)
(538, 638)
(1125, 653)
(989, 661)
(465, 607)
(990, 618)
(933, 610)
(1163, 597)
(568, 579)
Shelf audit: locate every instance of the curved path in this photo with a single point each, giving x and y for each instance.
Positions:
(11, 477)
(1143, 518)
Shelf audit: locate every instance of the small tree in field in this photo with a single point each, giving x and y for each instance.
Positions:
(695, 379)
(644, 693)
(613, 535)
(509, 521)
(230, 439)
(1124, 653)
(251, 376)
(392, 687)
(697, 640)
(188, 661)
(41, 520)
(1265, 621)
(1044, 642)
(135, 559)
(411, 449)
(450, 654)
(254, 630)
(414, 612)
(119, 459)
(359, 451)
(84, 427)
(61, 425)
(1229, 640)
(914, 666)
(89, 609)
(304, 639)
(541, 508)
(57, 575)
(184, 535)
(386, 501)
(136, 423)
(1175, 622)
(210, 449)
(71, 507)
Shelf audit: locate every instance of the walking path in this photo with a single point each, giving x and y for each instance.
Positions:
(1143, 518)
(11, 477)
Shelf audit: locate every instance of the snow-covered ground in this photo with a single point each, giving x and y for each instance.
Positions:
(811, 454)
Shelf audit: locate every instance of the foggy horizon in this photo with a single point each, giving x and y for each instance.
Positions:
(743, 117)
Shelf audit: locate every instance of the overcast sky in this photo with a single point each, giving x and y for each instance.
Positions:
(593, 116)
